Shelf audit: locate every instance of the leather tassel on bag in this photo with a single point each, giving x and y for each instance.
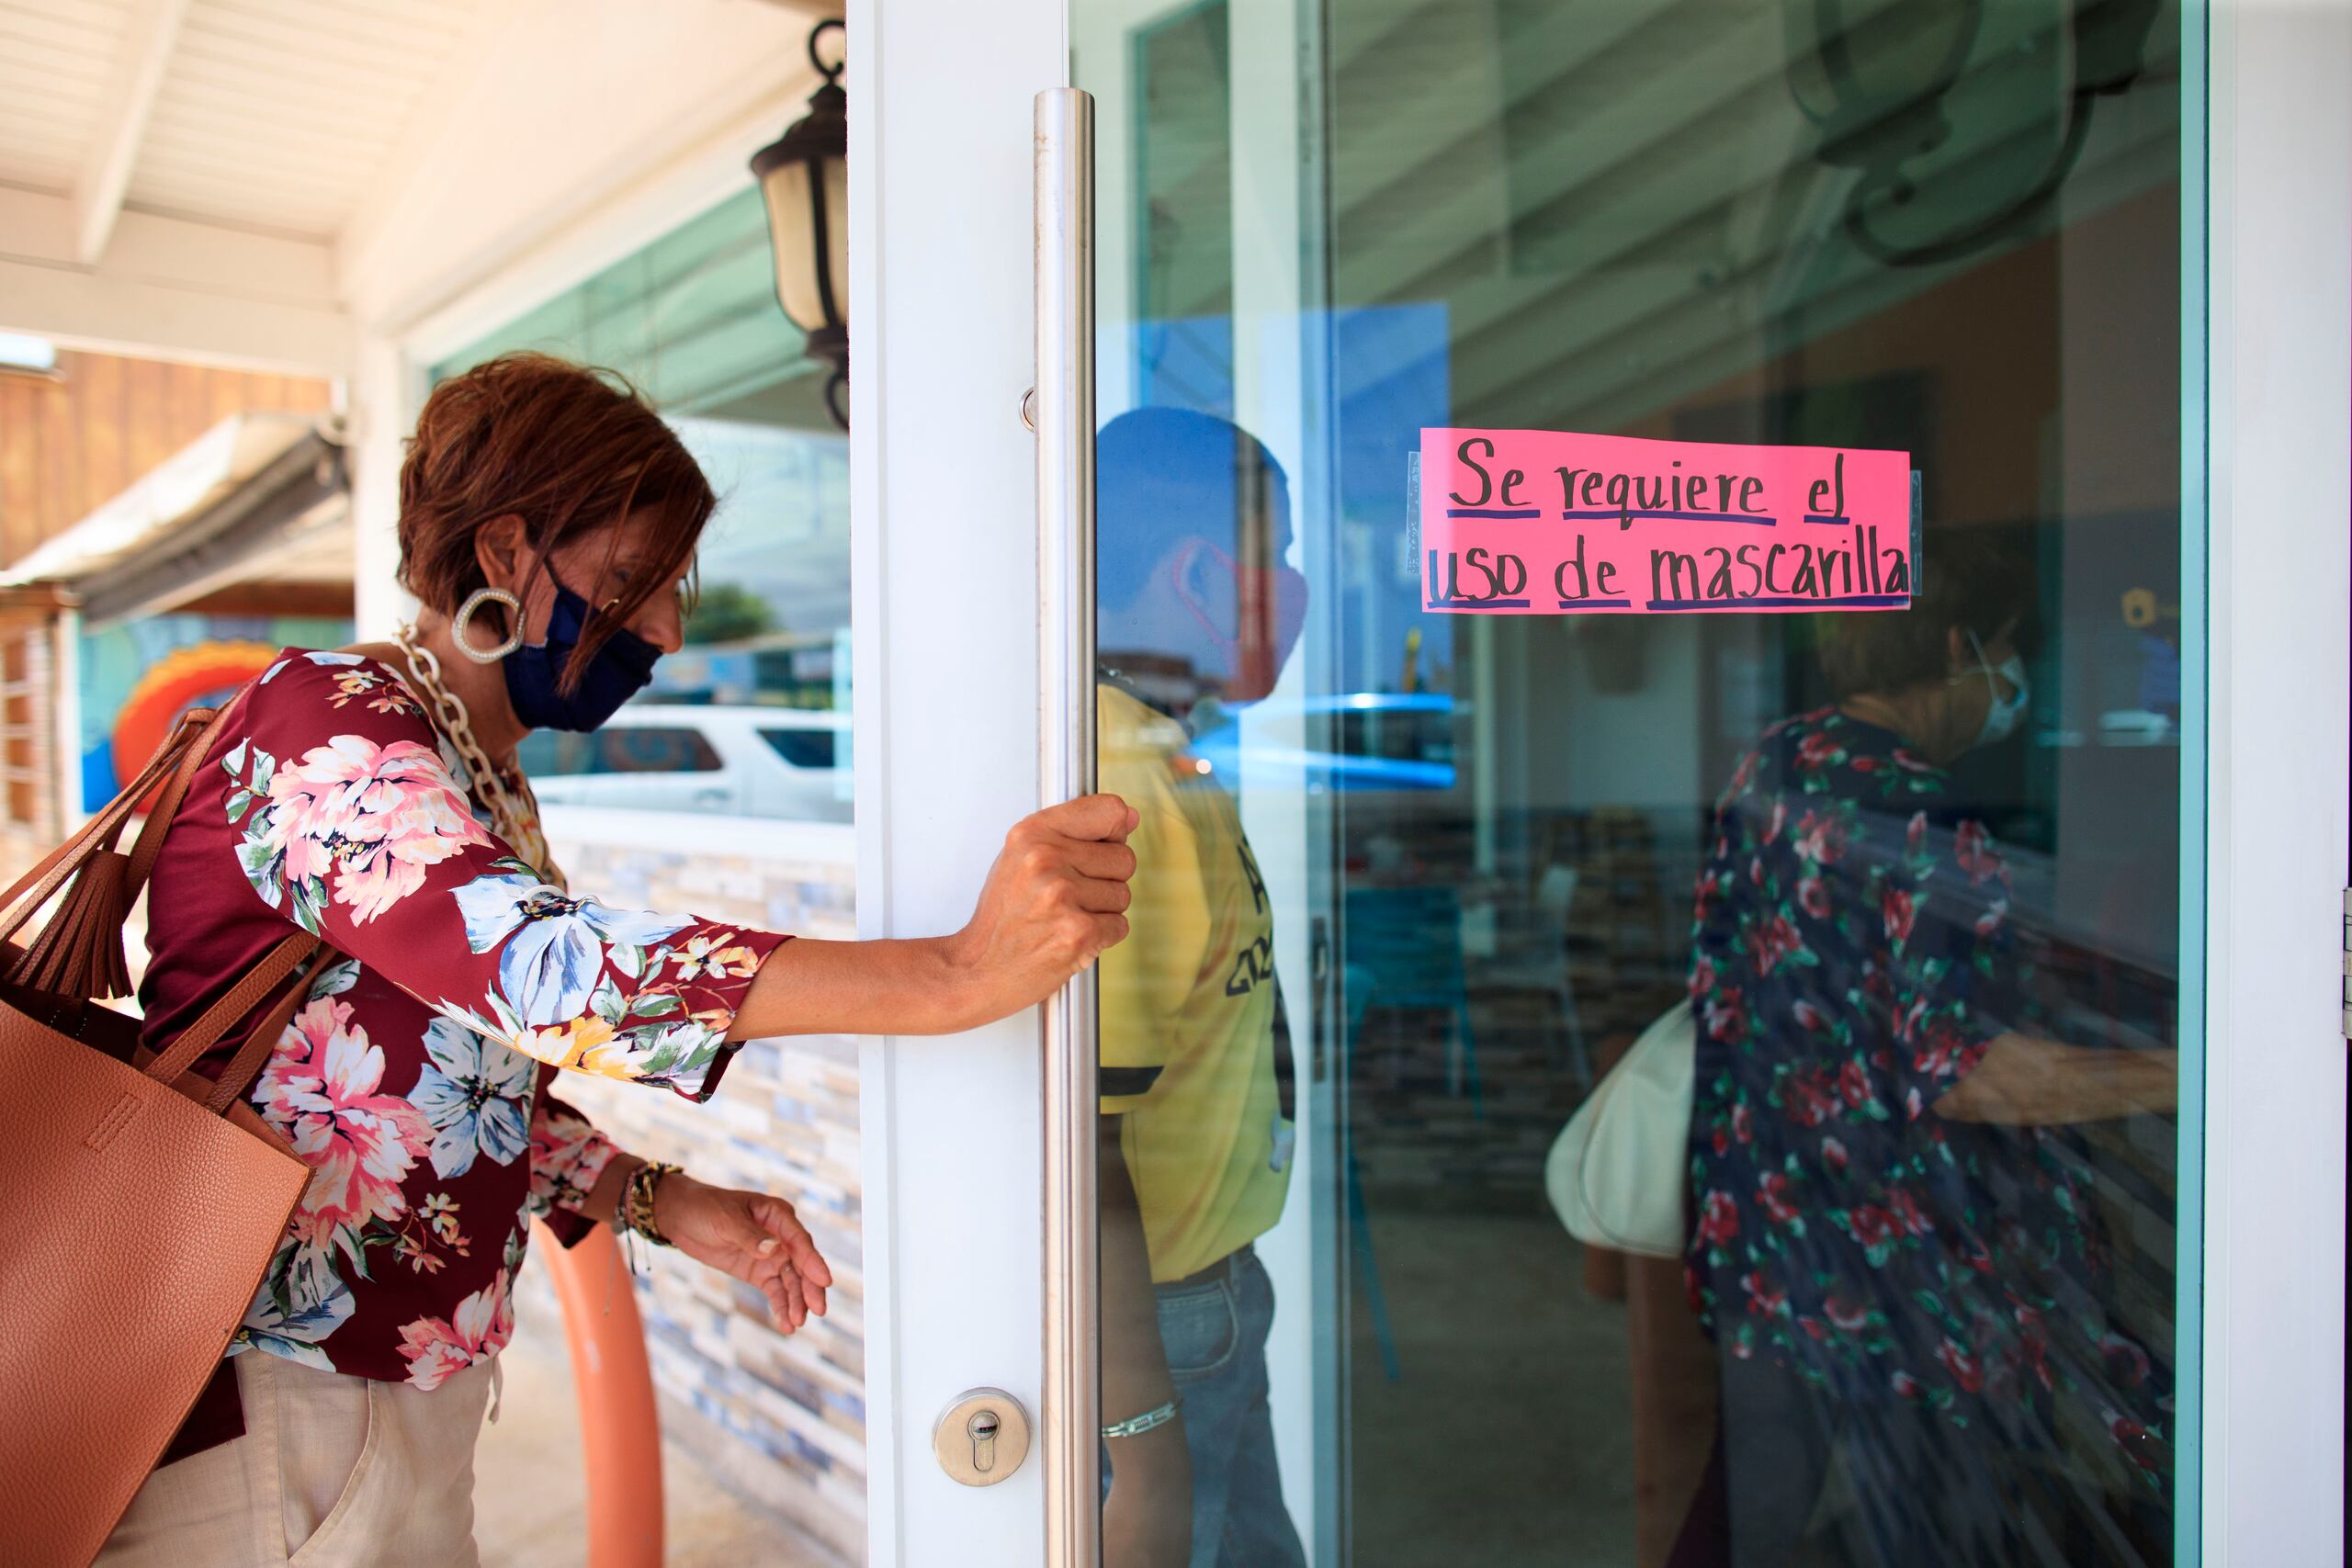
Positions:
(79, 951)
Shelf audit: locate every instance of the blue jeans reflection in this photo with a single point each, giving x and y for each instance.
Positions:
(1214, 1333)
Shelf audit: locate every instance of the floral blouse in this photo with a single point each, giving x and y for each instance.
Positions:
(1854, 955)
(415, 1079)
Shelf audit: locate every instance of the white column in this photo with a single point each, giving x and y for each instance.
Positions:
(66, 716)
(381, 399)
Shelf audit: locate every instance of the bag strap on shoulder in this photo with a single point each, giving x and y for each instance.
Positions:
(150, 842)
(253, 1054)
(238, 1000)
(293, 964)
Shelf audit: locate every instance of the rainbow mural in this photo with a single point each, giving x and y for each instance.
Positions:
(139, 677)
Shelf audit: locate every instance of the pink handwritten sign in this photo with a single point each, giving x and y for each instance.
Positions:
(1547, 523)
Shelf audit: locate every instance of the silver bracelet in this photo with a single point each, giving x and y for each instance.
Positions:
(1137, 1425)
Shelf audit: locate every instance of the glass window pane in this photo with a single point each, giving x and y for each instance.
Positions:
(538, 754)
(1697, 1083)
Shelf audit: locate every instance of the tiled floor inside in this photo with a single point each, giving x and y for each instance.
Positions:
(1506, 1439)
(1508, 1435)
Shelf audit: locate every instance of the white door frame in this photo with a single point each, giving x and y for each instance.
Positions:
(2278, 261)
(946, 645)
(943, 609)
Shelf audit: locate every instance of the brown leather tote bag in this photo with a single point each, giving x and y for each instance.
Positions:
(139, 1201)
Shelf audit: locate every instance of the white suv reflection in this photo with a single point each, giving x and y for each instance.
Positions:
(736, 760)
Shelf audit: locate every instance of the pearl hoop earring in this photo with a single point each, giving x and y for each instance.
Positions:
(474, 602)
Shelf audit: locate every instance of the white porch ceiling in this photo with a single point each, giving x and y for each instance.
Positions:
(282, 112)
(270, 115)
(55, 61)
(271, 183)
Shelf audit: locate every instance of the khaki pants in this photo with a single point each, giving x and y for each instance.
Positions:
(333, 1471)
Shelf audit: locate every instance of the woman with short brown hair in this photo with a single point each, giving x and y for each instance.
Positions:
(370, 797)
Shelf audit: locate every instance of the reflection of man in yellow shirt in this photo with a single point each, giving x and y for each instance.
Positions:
(1190, 1012)
(1197, 610)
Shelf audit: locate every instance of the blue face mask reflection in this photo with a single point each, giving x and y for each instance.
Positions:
(2001, 715)
(617, 671)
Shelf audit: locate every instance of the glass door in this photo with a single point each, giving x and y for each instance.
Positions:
(1641, 598)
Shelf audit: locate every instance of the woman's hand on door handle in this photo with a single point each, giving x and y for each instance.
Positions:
(1056, 898)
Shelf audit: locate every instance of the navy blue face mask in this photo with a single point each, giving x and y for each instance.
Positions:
(617, 671)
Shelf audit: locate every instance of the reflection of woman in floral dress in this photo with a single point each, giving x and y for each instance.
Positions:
(1893, 1248)
(368, 797)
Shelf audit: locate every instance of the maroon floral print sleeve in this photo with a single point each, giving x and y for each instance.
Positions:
(351, 823)
(415, 1077)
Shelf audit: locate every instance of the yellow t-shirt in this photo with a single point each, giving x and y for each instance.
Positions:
(1187, 1004)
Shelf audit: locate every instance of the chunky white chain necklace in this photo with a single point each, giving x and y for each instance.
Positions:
(450, 717)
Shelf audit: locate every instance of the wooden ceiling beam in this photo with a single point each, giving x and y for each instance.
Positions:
(149, 39)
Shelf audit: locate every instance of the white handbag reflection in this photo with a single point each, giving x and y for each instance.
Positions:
(1618, 1171)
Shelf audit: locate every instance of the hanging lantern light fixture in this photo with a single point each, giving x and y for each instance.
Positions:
(1885, 99)
(804, 178)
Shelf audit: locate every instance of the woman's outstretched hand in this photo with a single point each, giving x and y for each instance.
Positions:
(1057, 897)
(751, 1235)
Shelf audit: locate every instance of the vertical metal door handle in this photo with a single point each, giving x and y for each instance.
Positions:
(1070, 1407)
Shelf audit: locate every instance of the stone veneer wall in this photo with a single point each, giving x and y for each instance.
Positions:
(780, 1419)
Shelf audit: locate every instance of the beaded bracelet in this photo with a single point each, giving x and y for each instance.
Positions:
(634, 1213)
